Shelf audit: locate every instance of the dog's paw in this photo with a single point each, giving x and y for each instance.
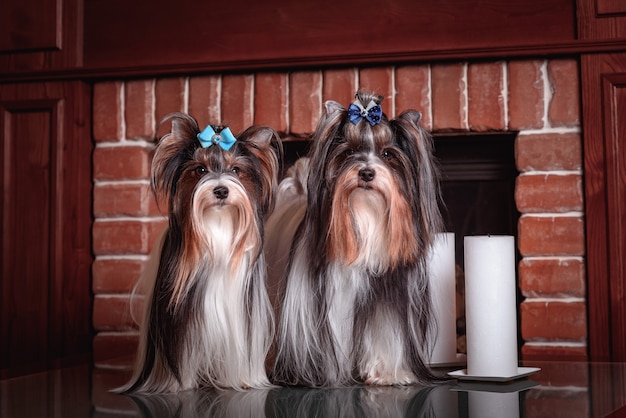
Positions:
(383, 376)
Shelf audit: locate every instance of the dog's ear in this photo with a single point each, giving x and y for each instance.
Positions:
(171, 151)
(183, 126)
(412, 116)
(265, 144)
(261, 136)
(331, 107)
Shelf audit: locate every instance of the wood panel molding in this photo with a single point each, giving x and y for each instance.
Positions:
(38, 36)
(610, 7)
(604, 106)
(601, 19)
(45, 159)
(30, 25)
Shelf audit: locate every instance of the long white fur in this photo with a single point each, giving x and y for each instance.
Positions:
(347, 284)
(219, 350)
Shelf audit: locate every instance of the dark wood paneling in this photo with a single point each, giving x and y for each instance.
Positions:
(610, 7)
(258, 33)
(29, 172)
(604, 133)
(614, 105)
(40, 35)
(30, 25)
(45, 223)
(601, 19)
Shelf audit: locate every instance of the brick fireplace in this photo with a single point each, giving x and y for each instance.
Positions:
(536, 100)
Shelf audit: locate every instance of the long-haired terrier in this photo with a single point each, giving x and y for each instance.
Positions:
(348, 244)
(208, 320)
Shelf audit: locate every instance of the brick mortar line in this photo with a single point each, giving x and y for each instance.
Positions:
(547, 94)
(545, 300)
(252, 98)
(153, 121)
(122, 109)
(505, 94)
(571, 214)
(129, 182)
(129, 296)
(125, 143)
(554, 257)
(287, 103)
(129, 257)
(464, 108)
(550, 172)
(186, 95)
(219, 90)
(430, 95)
(551, 130)
(556, 343)
(130, 219)
(394, 90)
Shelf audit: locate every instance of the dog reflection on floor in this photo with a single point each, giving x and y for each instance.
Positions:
(345, 402)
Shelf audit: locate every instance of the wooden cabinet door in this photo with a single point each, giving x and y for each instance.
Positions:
(603, 85)
(45, 219)
(604, 111)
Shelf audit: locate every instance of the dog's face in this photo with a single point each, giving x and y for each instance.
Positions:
(213, 193)
(376, 183)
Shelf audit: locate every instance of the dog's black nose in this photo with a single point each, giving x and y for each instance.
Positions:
(221, 192)
(367, 174)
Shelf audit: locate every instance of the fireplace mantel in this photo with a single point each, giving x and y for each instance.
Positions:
(116, 38)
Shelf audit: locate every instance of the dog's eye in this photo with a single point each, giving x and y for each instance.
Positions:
(386, 154)
(235, 170)
(200, 171)
(349, 152)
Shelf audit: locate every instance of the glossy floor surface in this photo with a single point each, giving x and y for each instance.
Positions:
(569, 390)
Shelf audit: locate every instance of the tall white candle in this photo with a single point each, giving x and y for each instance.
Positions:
(490, 306)
(442, 280)
(493, 405)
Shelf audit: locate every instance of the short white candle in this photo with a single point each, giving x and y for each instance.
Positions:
(490, 306)
(442, 280)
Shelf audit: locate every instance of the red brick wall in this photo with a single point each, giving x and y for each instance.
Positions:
(538, 98)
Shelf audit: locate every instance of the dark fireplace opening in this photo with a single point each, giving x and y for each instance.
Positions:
(478, 185)
(478, 175)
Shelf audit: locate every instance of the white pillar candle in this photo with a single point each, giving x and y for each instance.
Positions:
(442, 280)
(490, 306)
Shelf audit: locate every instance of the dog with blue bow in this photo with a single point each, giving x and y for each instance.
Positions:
(208, 321)
(347, 247)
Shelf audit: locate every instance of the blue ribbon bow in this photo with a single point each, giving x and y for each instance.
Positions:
(373, 113)
(224, 138)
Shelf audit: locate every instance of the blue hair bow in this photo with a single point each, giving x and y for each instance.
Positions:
(373, 113)
(224, 138)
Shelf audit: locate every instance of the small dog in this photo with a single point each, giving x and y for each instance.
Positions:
(208, 318)
(347, 245)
